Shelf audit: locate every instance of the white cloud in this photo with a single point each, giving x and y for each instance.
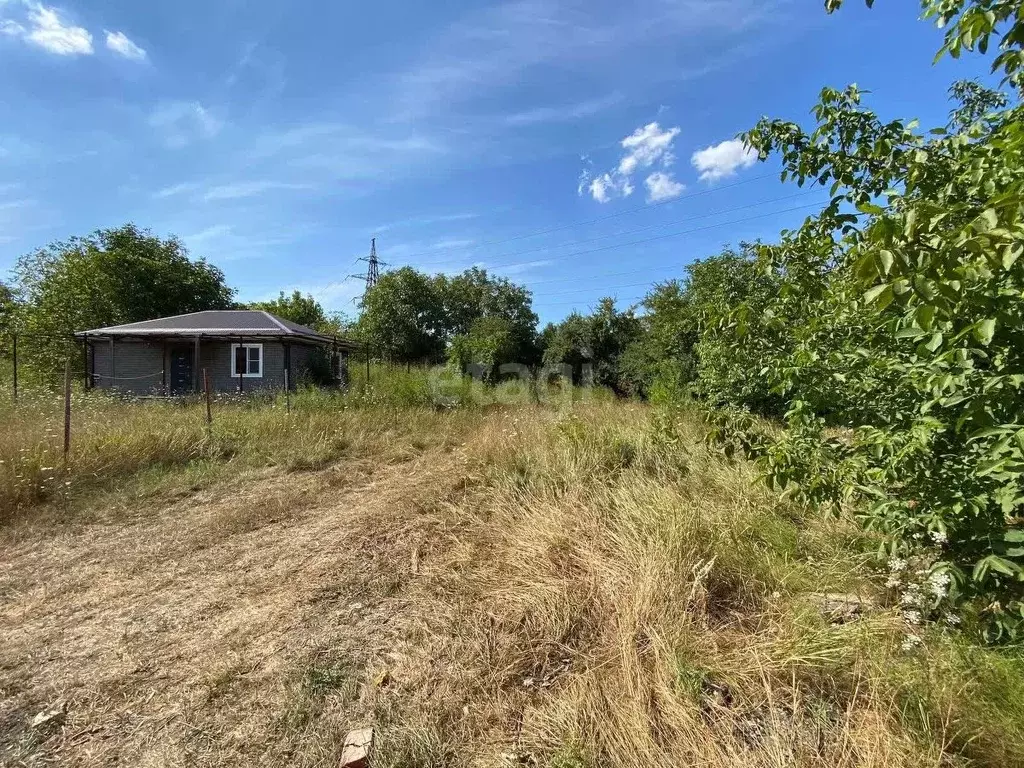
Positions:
(46, 29)
(722, 160)
(176, 189)
(232, 191)
(243, 189)
(119, 43)
(563, 114)
(182, 122)
(425, 221)
(661, 186)
(647, 147)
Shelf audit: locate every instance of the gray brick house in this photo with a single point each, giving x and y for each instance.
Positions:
(239, 350)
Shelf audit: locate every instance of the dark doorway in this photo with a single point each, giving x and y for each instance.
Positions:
(181, 370)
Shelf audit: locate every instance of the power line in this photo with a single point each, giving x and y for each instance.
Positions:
(542, 249)
(586, 222)
(636, 299)
(596, 288)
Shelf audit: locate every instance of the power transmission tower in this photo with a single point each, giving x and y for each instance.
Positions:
(373, 266)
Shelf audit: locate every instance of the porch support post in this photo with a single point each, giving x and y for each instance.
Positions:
(85, 363)
(113, 381)
(241, 369)
(163, 367)
(288, 366)
(195, 365)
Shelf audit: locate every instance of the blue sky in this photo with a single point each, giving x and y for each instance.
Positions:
(582, 148)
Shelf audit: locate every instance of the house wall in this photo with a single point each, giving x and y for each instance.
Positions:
(139, 365)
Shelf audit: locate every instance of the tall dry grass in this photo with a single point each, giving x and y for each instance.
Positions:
(627, 598)
(566, 584)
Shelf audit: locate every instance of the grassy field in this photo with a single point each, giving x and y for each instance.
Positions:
(562, 584)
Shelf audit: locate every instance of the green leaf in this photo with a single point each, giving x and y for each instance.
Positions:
(925, 316)
(989, 218)
(870, 208)
(885, 259)
(880, 295)
(1010, 255)
(985, 330)
(910, 223)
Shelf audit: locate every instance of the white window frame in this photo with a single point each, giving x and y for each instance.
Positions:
(234, 355)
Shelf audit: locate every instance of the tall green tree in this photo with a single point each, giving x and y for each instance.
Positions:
(473, 296)
(403, 318)
(597, 340)
(301, 309)
(111, 277)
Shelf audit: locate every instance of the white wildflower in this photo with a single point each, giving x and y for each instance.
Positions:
(939, 583)
(912, 617)
(910, 642)
(897, 564)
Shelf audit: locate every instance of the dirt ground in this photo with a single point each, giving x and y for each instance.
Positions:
(250, 624)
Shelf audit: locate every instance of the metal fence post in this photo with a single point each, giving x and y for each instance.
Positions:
(206, 389)
(67, 410)
(14, 355)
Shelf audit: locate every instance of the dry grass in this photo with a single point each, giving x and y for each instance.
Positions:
(512, 587)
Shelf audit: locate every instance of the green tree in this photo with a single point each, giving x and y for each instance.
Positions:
(299, 308)
(598, 341)
(403, 318)
(111, 277)
(908, 285)
(473, 295)
(490, 342)
(413, 317)
(8, 310)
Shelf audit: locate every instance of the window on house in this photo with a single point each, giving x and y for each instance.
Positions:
(247, 359)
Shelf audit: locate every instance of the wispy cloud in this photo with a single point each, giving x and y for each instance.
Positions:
(180, 123)
(44, 27)
(224, 242)
(518, 269)
(119, 43)
(245, 189)
(494, 48)
(235, 190)
(427, 220)
(564, 113)
(176, 189)
(452, 243)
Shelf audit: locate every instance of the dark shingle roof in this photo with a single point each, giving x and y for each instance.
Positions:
(227, 322)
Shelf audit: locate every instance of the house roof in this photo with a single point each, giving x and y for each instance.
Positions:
(215, 323)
